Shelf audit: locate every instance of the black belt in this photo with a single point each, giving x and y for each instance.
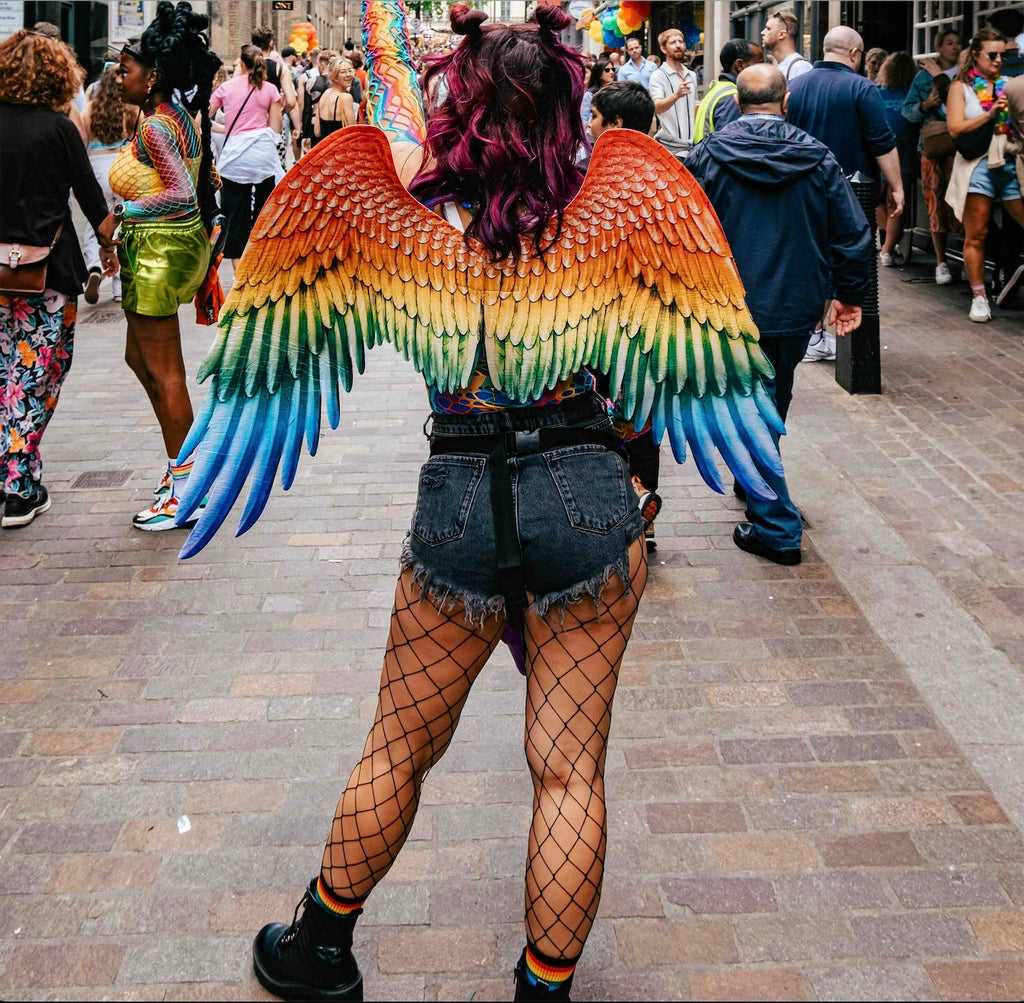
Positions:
(498, 448)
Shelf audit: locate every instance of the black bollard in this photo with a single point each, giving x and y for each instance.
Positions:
(858, 355)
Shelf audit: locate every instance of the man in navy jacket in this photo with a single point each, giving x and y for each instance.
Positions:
(797, 233)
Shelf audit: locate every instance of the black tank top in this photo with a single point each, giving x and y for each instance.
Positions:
(327, 126)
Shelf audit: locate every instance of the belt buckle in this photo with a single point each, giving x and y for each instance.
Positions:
(526, 443)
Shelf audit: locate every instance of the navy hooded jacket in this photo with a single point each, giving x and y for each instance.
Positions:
(796, 229)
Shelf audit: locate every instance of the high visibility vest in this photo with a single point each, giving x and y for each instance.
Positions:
(705, 124)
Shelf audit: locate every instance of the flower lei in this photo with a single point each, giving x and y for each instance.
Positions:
(988, 93)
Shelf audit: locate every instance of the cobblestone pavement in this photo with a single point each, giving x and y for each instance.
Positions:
(814, 773)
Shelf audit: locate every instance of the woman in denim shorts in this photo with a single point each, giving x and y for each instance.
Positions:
(526, 525)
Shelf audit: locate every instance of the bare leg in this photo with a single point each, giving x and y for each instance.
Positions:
(977, 213)
(939, 243)
(153, 352)
(432, 660)
(573, 671)
(1015, 207)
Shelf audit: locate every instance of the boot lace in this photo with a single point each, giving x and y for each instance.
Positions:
(295, 930)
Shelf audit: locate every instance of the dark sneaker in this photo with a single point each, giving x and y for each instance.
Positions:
(20, 511)
(649, 502)
(745, 537)
(311, 959)
(530, 988)
(652, 544)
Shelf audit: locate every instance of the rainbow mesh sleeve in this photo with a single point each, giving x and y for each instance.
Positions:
(393, 100)
(170, 146)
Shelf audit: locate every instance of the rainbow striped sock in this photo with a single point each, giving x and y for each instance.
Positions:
(547, 972)
(333, 904)
(179, 471)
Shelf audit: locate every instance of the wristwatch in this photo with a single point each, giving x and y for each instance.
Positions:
(118, 211)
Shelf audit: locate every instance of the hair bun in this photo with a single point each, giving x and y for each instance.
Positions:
(551, 17)
(466, 20)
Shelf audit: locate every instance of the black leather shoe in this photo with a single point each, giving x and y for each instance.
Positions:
(311, 959)
(745, 537)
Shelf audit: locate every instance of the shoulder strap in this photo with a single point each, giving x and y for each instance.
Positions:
(238, 115)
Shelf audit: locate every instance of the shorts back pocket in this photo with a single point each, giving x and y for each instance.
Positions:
(447, 488)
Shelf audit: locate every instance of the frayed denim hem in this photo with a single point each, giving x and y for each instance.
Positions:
(449, 597)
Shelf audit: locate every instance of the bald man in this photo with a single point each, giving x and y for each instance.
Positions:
(838, 106)
(795, 229)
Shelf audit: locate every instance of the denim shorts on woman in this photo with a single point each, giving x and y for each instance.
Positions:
(998, 183)
(575, 512)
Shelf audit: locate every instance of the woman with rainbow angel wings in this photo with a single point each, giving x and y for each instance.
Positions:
(505, 291)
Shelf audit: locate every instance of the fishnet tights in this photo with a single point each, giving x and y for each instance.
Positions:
(431, 662)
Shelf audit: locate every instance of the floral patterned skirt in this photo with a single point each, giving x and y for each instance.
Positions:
(37, 336)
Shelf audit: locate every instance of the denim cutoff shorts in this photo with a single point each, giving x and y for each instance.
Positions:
(999, 184)
(575, 511)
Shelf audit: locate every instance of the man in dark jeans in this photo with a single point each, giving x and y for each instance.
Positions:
(760, 170)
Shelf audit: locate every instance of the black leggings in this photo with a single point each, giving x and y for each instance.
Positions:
(241, 204)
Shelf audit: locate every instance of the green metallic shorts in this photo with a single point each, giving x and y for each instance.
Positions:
(163, 263)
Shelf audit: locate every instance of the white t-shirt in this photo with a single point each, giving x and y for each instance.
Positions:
(794, 65)
(675, 126)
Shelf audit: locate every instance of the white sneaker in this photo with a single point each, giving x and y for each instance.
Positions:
(885, 260)
(943, 276)
(981, 312)
(822, 348)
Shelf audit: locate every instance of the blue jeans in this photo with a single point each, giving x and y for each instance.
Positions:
(777, 523)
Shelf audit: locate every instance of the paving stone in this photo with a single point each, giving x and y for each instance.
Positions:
(873, 982)
(763, 984)
(877, 849)
(721, 895)
(921, 935)
(978, 980)
(695, 816)
(658, 942)
(998, 932)
(762, 853)
(62, 964)
(435, 950)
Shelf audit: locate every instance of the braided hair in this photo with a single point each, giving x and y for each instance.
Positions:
(176, 46)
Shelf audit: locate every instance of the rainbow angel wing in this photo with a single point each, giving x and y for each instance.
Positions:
(341, 258)
(639, 283)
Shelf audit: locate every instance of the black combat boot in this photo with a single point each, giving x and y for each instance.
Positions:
(311, 959)
(529, 988)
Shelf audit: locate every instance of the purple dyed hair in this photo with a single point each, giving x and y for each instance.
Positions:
(506, 136)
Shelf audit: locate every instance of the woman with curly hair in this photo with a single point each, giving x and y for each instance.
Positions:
(106, 125)
(42, 161)
(164, 177)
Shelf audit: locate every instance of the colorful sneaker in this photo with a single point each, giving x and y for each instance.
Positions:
(165, 484)
(20, 511)
(161, 515)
